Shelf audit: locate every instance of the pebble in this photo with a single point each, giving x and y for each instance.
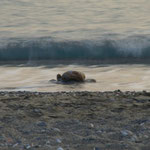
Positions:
(9, 140)
(124, 132)
(134, 138)
(43, 131)
(56, 129)
(97, 148)
(60, 148)
(112, 99)
(37, 93)
(27, 146)
(41, 124)
(91, 125)
(58, 140)
(146, 136)
(99, 131)
(38, 146)
(74, 94)
(48, 144)
(36, 110)
(15, 145)
(142, 124)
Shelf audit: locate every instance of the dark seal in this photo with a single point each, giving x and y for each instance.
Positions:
(71, 76)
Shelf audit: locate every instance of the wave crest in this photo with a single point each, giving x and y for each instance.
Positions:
(50, 49)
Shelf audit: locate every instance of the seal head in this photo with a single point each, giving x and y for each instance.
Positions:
(71, 76)
(59, 78)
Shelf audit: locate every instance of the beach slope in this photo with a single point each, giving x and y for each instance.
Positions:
(75, 120)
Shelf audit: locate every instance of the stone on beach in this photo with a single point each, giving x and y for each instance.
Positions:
(60, 148)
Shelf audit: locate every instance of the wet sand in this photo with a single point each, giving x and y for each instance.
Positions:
(75, 120)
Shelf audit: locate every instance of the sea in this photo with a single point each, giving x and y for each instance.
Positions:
(108, 40)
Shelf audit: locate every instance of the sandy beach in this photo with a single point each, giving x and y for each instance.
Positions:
(108, 41)
(75, 120)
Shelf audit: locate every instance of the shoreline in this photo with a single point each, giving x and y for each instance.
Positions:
(110, 120)
(143, 92)
(55, 62)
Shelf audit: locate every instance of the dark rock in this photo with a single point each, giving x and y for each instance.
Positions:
(36, 113)
(41, 124)
(97, 148)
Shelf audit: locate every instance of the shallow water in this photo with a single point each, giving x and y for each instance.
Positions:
(109, 77)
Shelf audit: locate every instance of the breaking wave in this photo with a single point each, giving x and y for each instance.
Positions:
(53, 49)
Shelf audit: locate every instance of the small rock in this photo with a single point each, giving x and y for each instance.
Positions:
(126, 132)
(43, 131)
(36, 112)
(112, 99)
(146, 136)
(48, 144)
(37, 146)
(58, 140)
(97, 148)
(19, 141)
(117, 95)
(56, 129)
(27, 146)
(60, 148)
(117, 91)
(15, 145)
(37, 93)
(91, 125)
(9, 140)
(74, 94)
(41, 124)
(99, 131)
(142, 124)
(134, 138)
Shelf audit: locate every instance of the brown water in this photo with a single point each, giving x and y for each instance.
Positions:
(109, 77)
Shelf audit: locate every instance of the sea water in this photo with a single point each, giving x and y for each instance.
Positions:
(108, 77)
(108, 40)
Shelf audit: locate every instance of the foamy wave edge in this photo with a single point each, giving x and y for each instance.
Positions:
(52, 49)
